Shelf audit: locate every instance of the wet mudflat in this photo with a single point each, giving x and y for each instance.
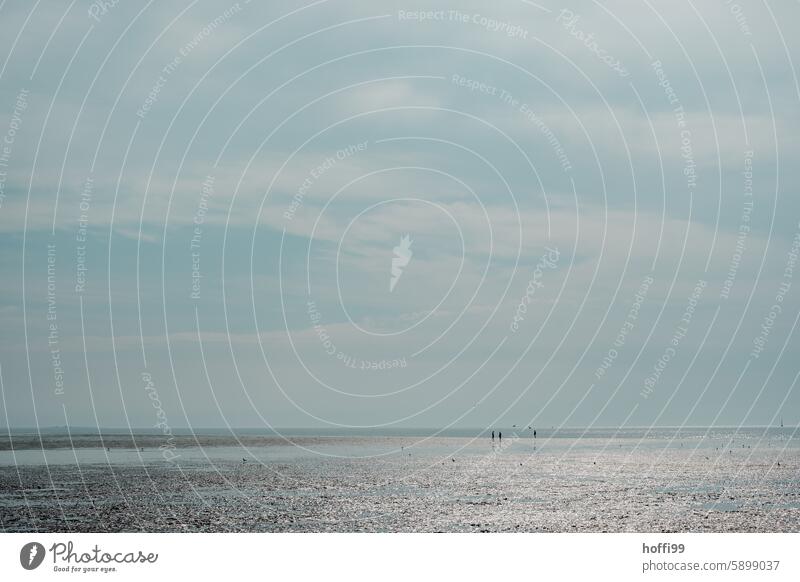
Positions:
(409, 485)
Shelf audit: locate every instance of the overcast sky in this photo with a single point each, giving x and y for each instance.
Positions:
(601, 206)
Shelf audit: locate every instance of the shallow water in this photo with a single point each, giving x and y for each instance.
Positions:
(695, 480)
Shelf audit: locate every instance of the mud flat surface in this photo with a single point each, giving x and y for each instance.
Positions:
(716, 483)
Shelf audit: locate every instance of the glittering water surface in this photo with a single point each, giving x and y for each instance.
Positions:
(692, 480)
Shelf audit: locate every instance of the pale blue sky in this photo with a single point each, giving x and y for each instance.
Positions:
(485, 135)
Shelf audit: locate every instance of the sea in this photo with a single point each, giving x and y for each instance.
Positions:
(417, 480)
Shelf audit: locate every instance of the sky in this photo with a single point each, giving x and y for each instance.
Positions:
(399, 214)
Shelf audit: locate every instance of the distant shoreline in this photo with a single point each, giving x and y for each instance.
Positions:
(117, 438)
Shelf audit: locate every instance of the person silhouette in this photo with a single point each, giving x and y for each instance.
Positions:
(534, 433)
(501, 436)
(492, 435)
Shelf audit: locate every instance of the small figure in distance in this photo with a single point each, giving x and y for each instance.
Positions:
(492, 435)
